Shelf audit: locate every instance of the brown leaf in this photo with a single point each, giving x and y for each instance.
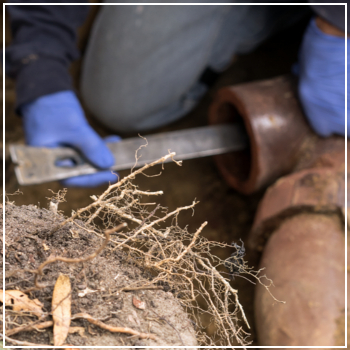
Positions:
(138, 303)
(61, 309)
(21, 302)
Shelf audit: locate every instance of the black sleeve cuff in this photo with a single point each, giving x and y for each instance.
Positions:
(41, 76)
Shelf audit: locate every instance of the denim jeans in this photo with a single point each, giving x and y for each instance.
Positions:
(142, 66)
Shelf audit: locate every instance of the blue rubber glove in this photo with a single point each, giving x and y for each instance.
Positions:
(58, 120)
(93, 180)
(321, 70)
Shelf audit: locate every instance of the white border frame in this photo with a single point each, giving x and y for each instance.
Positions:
(179, 347)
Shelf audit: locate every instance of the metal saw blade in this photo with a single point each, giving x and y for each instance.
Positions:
(38, 165)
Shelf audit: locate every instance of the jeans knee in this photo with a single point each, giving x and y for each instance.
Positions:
(113, 115)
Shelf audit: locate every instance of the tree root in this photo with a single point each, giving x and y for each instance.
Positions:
(96, 322)
(19, 342)
(29, 327)
(114, 329)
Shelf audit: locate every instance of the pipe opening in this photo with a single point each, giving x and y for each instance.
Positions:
(238, 163)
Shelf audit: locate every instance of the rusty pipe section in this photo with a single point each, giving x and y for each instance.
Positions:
(316, 185)
(276, 127)
(299, 226)
(305, 259)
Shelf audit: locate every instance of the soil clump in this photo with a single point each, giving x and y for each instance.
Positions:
(107, 282)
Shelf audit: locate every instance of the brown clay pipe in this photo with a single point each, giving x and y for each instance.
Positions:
(276, 128)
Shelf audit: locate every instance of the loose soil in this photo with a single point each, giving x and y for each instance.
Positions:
(29, 243)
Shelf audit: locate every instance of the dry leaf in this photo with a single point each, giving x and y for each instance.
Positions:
(21, 302)
(61, 309)
(46, 246)
(80, 330)
(138, 303)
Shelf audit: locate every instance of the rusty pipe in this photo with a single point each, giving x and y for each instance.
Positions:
(305, 259)
(316, 185)
(299, 226)
(299, 223)
(276, 127)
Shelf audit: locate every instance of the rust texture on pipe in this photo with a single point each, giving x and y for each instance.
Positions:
(299, 225)
(318, 185)
(275, 125)
(305, 258)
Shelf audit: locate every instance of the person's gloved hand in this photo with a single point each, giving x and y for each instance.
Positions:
(93, 180)
(58, 120)
(321, 70)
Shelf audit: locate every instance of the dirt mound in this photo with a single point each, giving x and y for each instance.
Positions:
(121, 251)
(107, 283)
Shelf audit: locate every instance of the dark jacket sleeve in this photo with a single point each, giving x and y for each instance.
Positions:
(334, 14)
(43, 46)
